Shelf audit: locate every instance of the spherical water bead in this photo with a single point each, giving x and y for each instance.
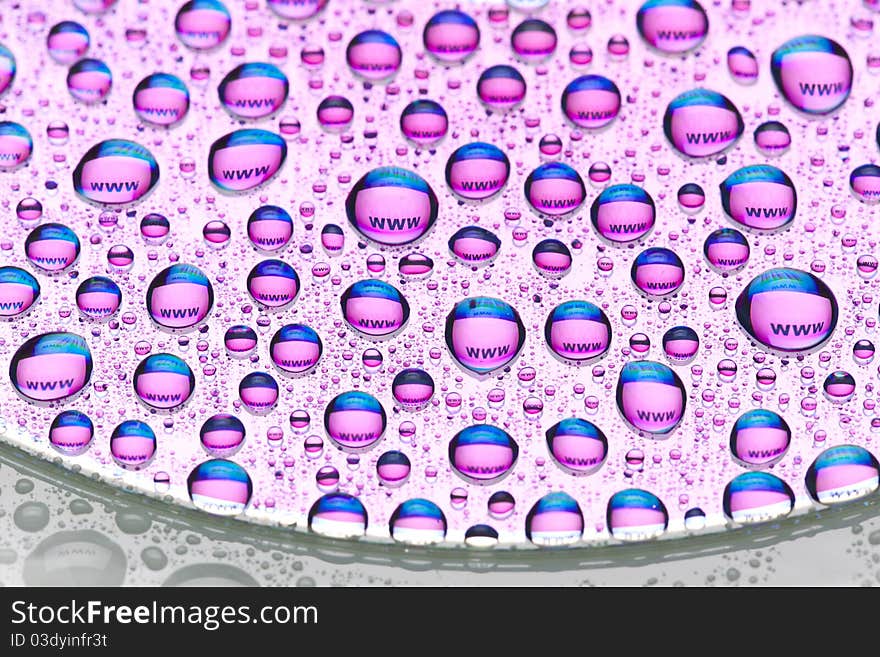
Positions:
(533, 40)
(591, 101)
(483, 453)
(120, 257)
(240, 340)
(297, 10)
(813, 73)
(418, 522)
(71, 432)
(221, 487)
(618, 47)
(354, 420)
(19, 291)
(866, 265)
(759, 196)
(216, 233)
(312, 56)
(332, 239)
(451, 36)
(374, 308)
(842, 473)
(258, 391)
(273, 283)
(393, 468)
(415, 264)
(636, 515)
(694, 519)
(372, 359)
(335, 113)
(132, 444)
(7, 68)
(52, 247)
(501, 87)
(244, 159)
(16, 145)
(864, 181)
(501, 505)
(787, 309)
(691, 197)
(161, 99)
(863, 352)
(680, 344)
(270, 228)
(577, 446)
(484, 334)
(474, 244)
(412, 388)
(702, 123)
(202, 24)
(338, 515)
(579, 19)
(296, 348)
(163, 381)
(551, 258)
(253, 90)
(392, 206)
(424, 122)
(839, 386)
(481, 536)
(97, 297)
(651, 397)
(89, 80)
(115, 171)
(93, 6)
(580, 55)
(657, 272)
(772, 138)
(555, 519)
(726, 249)
(578, 332)
(67, 42)
(757, 497)
(29, 210)
(477, 171)
(599, 173)
(554, 189)
(179, 297)
(550, 146)
(742, 64)
(623, 213)
(374, 55)
(759, 438)
(222, 434)
(672, 26)
(155, 227)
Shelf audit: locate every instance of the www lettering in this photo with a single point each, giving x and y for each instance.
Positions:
(475, 256)
(377, 323)
(10, 156)
(356, 437)
(765, 453)
(254, 102)
(661, 285)
(480, 185)
(581, 347)
(244, 174)
(178, 313)
(165, 397)
(487, 352)
(557, 202)
(767, 212)
(11, 305)
(48, 385)
(593, 114)
(295, 363)
(47, 260)
(128, 186)
(161, 111)
(656, 416)
(627, 228)
(824, 89)
(796, 329)
(395, 223)
(573, 460)
(707, 137)
(677, 35)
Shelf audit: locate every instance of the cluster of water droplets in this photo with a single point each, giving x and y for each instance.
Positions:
(474, 274)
